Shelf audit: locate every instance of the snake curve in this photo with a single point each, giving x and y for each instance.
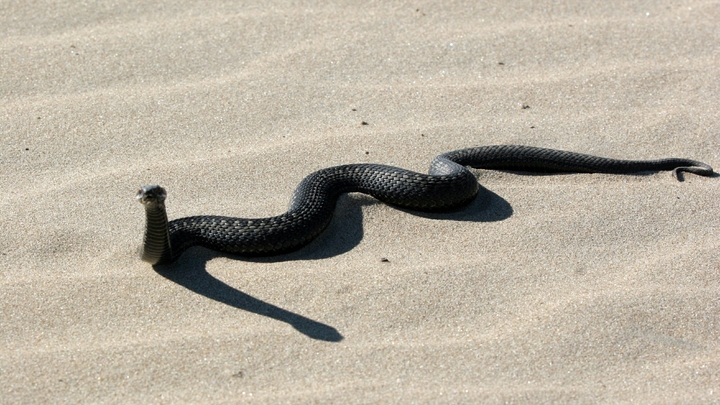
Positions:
(448, 184)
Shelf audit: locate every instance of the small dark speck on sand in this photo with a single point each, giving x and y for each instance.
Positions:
(364, 123)
(525, 106)
(385, 260)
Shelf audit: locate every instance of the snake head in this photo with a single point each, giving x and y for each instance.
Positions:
(151, 194)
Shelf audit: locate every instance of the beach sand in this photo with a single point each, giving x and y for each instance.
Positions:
(574, 288)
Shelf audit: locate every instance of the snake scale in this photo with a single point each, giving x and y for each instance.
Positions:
(448, 185)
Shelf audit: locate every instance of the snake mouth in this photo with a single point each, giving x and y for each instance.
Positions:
(151, 194)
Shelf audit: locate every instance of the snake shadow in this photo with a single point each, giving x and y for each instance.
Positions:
(344, 233)
(192, 274)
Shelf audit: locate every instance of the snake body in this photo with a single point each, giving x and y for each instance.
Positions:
(448, 184)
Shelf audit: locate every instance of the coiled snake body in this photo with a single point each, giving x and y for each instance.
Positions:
(448, 185)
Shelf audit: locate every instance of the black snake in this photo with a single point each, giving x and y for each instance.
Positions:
(448, 185)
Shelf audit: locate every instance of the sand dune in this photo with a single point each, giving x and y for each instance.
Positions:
(584, 288)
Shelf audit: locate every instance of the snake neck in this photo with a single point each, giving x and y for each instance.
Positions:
(156, 247)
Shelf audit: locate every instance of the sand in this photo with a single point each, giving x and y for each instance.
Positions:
(579, 288)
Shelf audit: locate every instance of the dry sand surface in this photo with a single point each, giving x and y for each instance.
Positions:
(584, 288)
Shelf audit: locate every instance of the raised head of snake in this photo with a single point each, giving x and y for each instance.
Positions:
(153, 194)
(156, 247)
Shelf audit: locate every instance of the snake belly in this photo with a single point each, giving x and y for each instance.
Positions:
(448, 185)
